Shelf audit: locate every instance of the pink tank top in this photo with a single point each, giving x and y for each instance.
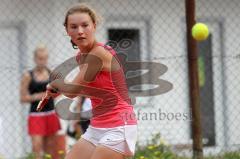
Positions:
(112, 106)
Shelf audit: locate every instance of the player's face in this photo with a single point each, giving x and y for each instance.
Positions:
(41, 58)
(81, 29)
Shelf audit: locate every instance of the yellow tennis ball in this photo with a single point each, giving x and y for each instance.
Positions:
(200, 31)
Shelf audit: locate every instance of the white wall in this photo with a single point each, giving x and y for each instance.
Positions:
(43, 20)
(227, 13)
(40, 22)
(10, 111)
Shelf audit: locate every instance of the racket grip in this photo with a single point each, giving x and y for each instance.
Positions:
(53, 90)
(42, 103)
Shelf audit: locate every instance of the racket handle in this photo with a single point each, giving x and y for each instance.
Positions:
(42, 103)
(53, 90)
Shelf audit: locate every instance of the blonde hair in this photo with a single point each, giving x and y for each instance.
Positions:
(40, 47)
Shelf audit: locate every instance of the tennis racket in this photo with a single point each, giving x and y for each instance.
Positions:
(44, 101)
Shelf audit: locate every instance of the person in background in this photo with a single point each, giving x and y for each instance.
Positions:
(42, 126)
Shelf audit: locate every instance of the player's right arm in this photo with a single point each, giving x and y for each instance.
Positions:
(25, 96)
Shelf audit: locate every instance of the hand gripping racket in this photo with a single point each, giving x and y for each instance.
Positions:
(44, 101)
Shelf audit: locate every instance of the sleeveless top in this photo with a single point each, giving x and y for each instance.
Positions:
(36, 87)
(111, 105)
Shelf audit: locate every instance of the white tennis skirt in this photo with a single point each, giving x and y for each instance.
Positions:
(121, 139)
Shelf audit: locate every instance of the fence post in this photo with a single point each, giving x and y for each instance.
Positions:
(193, 81)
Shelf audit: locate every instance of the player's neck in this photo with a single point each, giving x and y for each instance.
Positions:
(88, 48)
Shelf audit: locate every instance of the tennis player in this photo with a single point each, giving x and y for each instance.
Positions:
(112, 132)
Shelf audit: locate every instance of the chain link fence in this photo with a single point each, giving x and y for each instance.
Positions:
(157, 31)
